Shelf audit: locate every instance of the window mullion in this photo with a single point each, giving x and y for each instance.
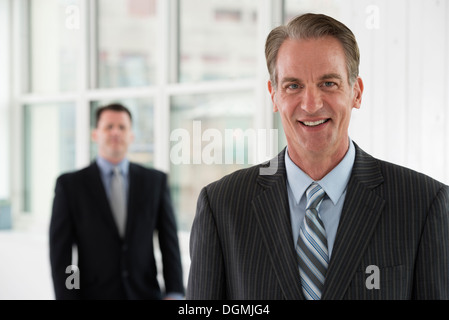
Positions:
(162, 100)
(82, 126)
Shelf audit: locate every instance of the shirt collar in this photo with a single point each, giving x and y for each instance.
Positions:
(334, 183)
(106, 167)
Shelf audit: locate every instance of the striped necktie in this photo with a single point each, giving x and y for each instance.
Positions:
(312, 246)
(118, 200)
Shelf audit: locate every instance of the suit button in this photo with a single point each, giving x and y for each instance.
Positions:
(124, 248)
(125, 274)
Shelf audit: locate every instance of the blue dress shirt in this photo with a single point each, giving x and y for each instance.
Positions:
(334, 184)
(106, 169)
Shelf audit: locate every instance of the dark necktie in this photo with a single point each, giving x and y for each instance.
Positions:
(118, 200)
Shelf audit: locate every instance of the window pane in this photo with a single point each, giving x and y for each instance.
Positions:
(55, 41)
(217, 39)
(142, 149)
(49, 151)
(5, 206)
(211, 135)
(296, 7)
(127, 33)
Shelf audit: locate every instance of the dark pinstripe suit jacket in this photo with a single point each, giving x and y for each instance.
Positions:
(393, 218)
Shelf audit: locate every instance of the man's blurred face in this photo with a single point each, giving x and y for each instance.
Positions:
(313, 96)
(113, 135)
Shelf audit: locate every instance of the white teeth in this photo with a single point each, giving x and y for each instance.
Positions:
(314, 123)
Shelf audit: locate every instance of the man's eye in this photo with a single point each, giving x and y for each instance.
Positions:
(329, 84)
(292, 86)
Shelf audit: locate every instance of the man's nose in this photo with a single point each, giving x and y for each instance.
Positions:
(115, 130)
(311, 101)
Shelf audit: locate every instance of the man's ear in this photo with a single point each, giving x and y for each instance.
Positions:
(272, 91)
(93, 135)
(358, 92)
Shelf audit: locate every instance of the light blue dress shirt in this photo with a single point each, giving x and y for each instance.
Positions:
(106, 169)
(334, 184)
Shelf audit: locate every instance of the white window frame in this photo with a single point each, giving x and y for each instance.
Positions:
(270, 13)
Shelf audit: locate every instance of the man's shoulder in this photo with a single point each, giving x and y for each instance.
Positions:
(408, 175)
(394, 173)
(245, 178)
(142, 169)
(78, 173)
(147, 176)
(238, 176)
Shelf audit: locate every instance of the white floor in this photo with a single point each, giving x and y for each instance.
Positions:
(25, 268)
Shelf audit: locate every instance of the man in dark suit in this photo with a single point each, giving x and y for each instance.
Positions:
(330, 221)
(115, 249)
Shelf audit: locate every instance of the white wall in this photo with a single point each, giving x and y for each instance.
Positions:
(405, 68)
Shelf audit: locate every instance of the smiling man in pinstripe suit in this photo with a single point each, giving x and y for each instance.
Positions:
(378, 217)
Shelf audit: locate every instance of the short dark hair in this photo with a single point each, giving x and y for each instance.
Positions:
(313, 26)
(118, 107)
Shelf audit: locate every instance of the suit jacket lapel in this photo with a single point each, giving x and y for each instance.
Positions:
(361, 211)
(271, 209)
(135, 189)
(99, 197)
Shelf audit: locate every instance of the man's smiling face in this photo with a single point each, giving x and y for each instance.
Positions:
(314, 97)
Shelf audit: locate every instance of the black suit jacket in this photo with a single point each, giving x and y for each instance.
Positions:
(111, 267)
(393, 218)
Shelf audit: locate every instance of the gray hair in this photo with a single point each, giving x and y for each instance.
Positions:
(313, 26)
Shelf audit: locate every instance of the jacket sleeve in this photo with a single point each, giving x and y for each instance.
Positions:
(432, 265)
(60, 243)
(207, 274)
(169, 244)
